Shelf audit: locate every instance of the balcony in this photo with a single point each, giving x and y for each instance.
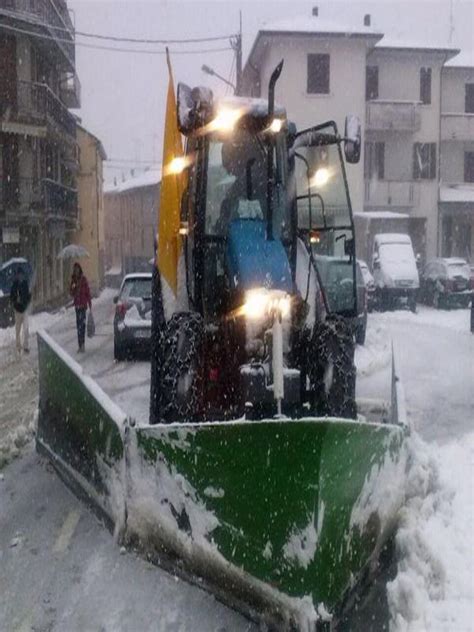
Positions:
(31, 198)
(70, 91)
(35, 106)
(391, 194)
(392, 116)
(49, 15)
(457, 126)
(59, 200)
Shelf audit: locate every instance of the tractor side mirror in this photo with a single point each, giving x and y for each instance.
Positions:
(352, 139)
(185, 109)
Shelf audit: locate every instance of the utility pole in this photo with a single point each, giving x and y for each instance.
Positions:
(236, 44)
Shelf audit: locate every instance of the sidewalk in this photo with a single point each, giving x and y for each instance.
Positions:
(19, 375)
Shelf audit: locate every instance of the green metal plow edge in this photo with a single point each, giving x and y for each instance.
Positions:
(300, 507)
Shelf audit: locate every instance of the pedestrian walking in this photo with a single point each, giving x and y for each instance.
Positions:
(82, 300)
(20, 298)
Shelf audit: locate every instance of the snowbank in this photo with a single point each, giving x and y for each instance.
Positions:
(455, 319)
(434, 586)
(376, 354)
(42, 320)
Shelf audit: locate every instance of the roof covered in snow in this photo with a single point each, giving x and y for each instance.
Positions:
(380, 214)
(391, 43)
(315, 25)
(465, 59)
(308, 25)
(149, 178)
(457, 193)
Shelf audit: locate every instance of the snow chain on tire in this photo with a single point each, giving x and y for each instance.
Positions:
(331, 368)
(181, 372)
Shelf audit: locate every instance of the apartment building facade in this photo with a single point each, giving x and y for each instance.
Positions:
(131, 218)
(38, 145)
(456, 192)
(90, 229)
(393, 87)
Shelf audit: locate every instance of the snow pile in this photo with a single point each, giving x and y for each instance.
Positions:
(456, 319)
(434, 586)
(376, 354)
(17, 436)
(42, 320)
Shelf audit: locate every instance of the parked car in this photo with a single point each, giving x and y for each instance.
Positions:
(132, 321)
(395, 271)
(446, 283)
(336, 276)
(369, 284)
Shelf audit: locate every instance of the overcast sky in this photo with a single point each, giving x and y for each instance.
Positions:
(123, 94)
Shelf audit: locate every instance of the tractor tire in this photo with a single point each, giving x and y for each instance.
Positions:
(181, 386)
(331, 369)
(120, 352)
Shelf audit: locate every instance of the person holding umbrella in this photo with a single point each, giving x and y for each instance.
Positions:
(20, 298)
(81, 294)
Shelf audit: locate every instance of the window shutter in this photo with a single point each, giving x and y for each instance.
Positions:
(432, 161)
(416, 161)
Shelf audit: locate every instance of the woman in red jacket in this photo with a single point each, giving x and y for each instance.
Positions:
(82, 300)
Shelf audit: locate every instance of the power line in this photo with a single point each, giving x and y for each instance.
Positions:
(126, 161)
(112, 48)
(134, 40)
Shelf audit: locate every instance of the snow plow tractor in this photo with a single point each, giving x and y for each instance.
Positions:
(258, 333)
(259, 475)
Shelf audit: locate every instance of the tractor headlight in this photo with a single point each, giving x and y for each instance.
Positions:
(261, 303)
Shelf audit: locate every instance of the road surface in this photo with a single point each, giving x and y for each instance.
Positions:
(60, 569)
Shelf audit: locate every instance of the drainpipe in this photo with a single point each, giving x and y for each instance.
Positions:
(438, 227)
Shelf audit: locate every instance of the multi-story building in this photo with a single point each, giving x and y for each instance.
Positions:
(90, 231)
(38, 148)
(456, 193)
(131, 219)
(394, 87)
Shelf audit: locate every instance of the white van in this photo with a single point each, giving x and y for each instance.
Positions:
(395, 270)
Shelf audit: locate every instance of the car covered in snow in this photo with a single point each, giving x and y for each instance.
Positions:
(446, 283)
(132, 320)
(369, 284)
(395, 271)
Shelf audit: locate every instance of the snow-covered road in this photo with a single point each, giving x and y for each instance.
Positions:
(434, 588)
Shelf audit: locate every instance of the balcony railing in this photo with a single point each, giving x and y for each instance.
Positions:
(36, 103)
(397, 116)
(457, 126)
(27, 196)
(391, 194)
(59, 199)
(50, 14)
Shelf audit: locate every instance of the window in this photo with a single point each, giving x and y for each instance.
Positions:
(469, 98)
(371, 83)
(424, 161)
(318, 74)
(425, 85)
(374, 163)
(469, 166)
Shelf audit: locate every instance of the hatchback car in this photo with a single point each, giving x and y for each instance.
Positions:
(132, 320)
(446, 283)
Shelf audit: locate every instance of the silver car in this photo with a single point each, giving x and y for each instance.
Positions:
(132, 320)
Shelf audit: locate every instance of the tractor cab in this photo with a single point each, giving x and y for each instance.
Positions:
(262, 204)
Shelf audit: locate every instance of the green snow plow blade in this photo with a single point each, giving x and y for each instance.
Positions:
(81, 431)
(279, 518)
(272, 511)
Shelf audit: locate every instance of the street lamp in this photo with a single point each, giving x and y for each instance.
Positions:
(210, 71)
